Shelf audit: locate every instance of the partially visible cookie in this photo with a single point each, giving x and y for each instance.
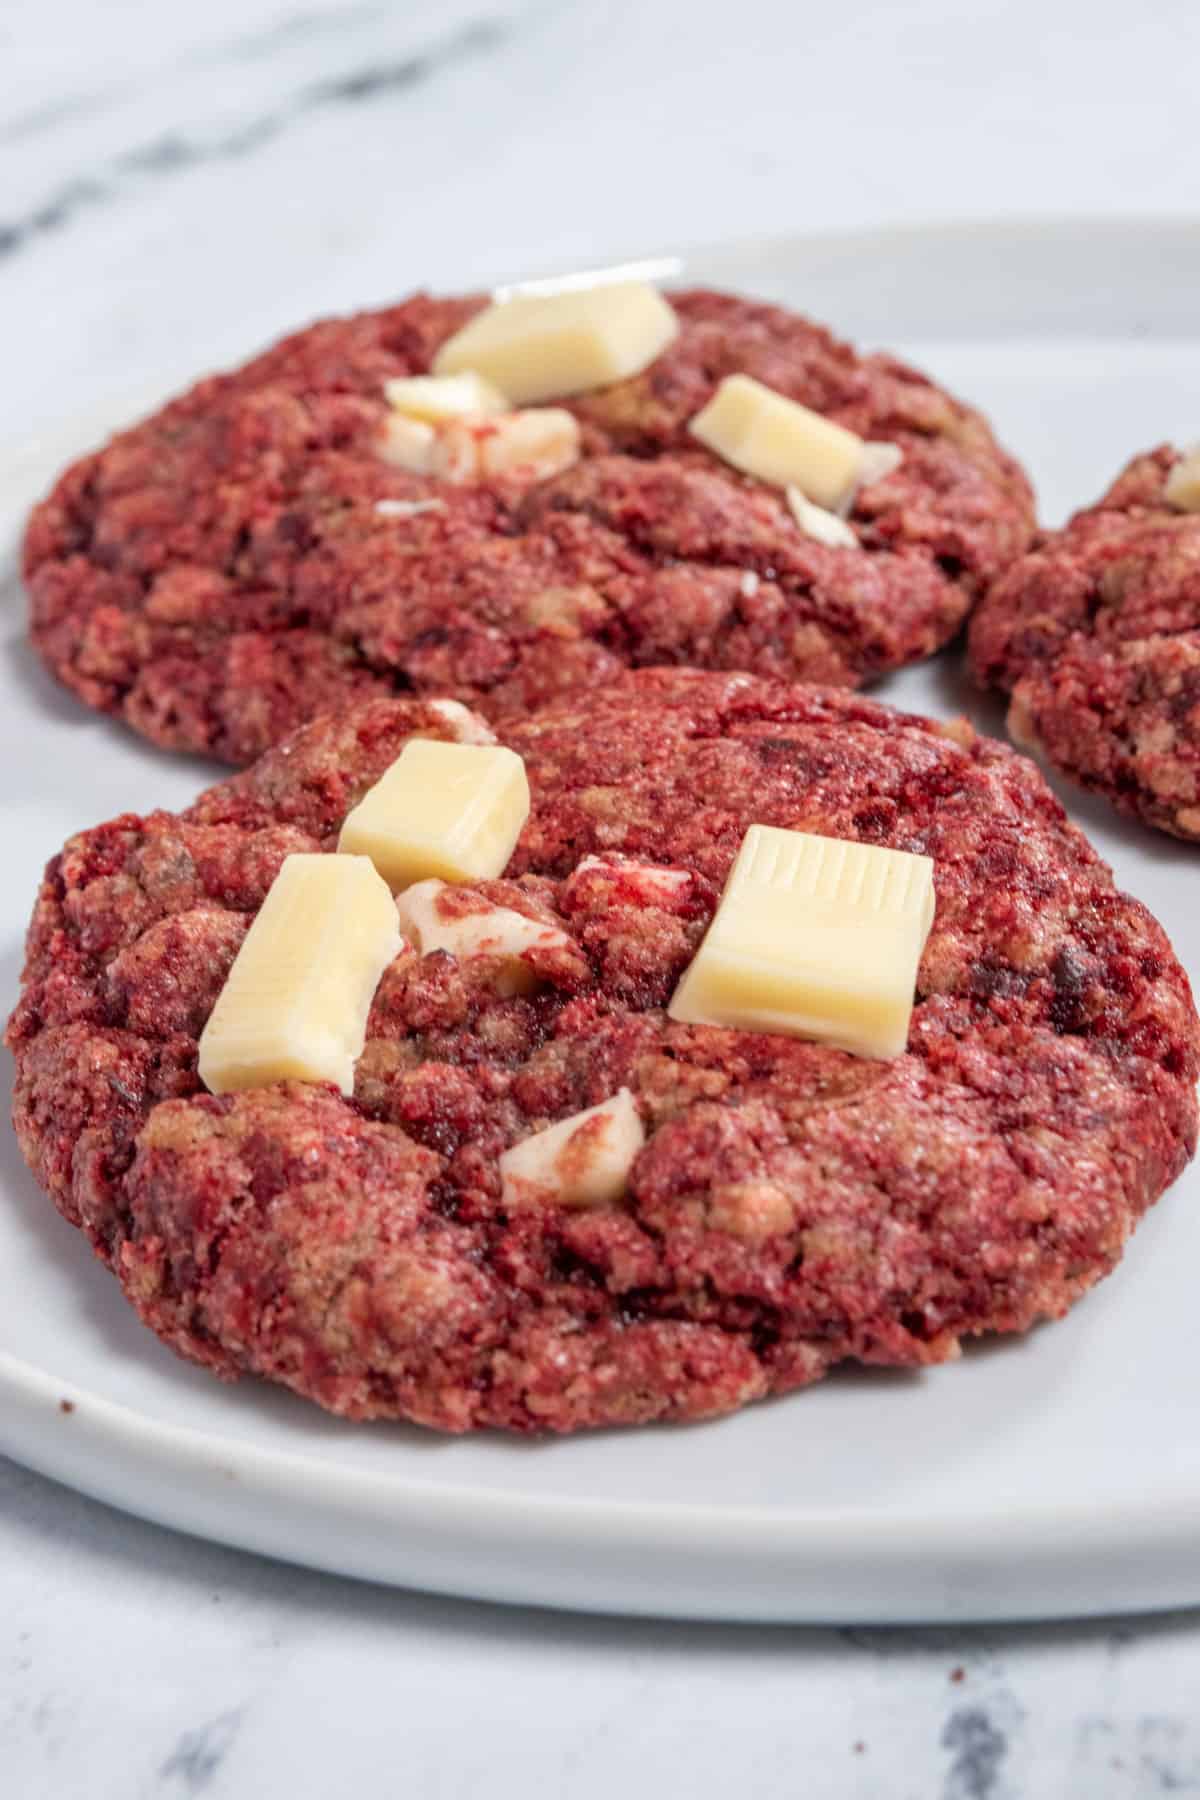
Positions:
(248, 557)
(1096, 635)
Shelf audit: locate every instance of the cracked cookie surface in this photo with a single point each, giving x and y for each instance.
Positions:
(236, 564)
(793, 1206)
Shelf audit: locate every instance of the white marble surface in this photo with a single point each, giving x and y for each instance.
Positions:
(176, 184)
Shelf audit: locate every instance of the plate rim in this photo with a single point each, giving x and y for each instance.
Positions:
(68, 1443)
(414, 1533)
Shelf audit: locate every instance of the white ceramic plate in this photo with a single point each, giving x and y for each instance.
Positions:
(1051, 1475)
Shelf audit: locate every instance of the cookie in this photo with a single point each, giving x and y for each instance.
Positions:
(793, 1206)
(246, 558)
(1096, 635)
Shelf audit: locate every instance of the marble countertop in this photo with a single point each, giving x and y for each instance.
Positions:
(177, 184)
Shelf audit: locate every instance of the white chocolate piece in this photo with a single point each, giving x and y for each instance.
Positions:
(531, 445)
(405, 443)
(451, 810)
(436, 398)
(777, 440)
(407, 509)
(815, 522)
(582, 1161)
(1183, 483)
(295, 1003)
(536, 443)
(467, 727)
(646, 268)
(454, 454)
(486, 930)
(539, 347)
(647, 882)
(464, 727)
(878, 462)
(814, 937)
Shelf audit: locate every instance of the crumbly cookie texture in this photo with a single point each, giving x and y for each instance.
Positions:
(1096, 635)
(238, 563)
(792, 1206)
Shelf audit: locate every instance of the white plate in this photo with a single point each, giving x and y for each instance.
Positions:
(1051, 1475)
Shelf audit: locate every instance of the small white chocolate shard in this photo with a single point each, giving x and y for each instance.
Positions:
(455, 452)
(295, 1003)
(647, 882)
(451, 810)
(815, 522)
(436, 923)
(406, 443)
(814, 937)
(878, 462)
(538, 347)
(407, 509)
(582, 1161)
(468, 727)
(435, 398)
(530, 445)
(1183, 483)
(646, 268)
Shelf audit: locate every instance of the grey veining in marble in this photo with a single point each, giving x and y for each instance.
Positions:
(136, 1663)
(265, 118)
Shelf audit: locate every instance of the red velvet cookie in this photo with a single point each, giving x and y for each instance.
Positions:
(793, 1206)
(224, 571)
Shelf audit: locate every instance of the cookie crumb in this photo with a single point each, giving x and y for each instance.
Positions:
(66, 1406)
(958, 1674)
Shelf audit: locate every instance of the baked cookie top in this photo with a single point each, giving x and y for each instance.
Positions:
(1096, 634)
(246, 558)
(793, 1205)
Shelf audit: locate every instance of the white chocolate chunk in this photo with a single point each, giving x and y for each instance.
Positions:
(777, 440)
(436, 923)
(814, 937)
(454, 454)
(538, 442)
(407, 509)
(1183, 483)
(406, 443)
(531, 445)
(295, 1003)
(452, 810)
(538, 347)
(468, 727)
(435, 398)
(582, 1161)
(815, 522)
